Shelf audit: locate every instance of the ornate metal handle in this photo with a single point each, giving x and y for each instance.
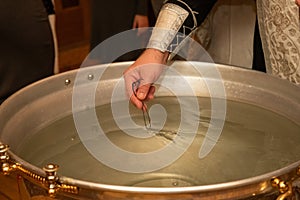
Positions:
(51, 181)
(285, 187)
(4, 157)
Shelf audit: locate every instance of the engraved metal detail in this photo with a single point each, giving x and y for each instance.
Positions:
(51, 181)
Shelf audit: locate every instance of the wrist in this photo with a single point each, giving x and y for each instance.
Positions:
(156, 55)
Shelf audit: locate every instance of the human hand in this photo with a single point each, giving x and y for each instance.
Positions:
(298, 2)
(142, 74)
(140, 21)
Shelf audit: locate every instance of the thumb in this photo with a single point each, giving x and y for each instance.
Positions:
(143, 91)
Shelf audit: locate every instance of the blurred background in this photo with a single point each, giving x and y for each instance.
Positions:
(73, 29)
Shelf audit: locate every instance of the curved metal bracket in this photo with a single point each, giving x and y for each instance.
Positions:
(285, 188)
(4, 158)
(51, 181)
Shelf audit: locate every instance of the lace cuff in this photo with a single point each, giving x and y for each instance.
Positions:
(169, 21)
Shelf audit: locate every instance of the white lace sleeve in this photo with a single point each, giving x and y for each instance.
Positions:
(169, 21)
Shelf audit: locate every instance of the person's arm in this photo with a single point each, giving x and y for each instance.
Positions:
(175, 16)
(178, 16)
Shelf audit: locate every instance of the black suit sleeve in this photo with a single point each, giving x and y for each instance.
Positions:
(142, 7)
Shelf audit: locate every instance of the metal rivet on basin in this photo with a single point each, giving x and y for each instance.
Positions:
(67, 82)
(90, 76)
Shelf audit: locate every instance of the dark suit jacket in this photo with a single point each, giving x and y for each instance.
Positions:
(27, 48)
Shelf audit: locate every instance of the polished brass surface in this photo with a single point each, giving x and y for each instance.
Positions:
(9, 165)
(285, 188)
(52, 178)
(4, 158)
(51, 181)
(29, 174)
